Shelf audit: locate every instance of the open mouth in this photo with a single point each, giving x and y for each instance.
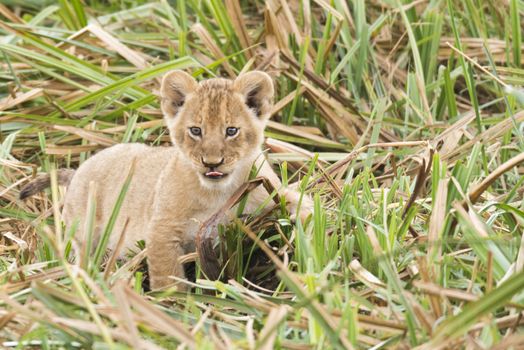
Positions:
(215, 175)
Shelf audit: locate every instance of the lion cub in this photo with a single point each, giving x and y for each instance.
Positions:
(216, 127)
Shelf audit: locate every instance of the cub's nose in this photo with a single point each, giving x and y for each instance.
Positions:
(212, 162)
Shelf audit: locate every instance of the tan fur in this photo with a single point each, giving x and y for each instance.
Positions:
(169, 196)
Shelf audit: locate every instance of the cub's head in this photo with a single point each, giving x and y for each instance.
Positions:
(217, 124)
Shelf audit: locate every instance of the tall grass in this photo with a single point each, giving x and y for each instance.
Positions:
(403, 120)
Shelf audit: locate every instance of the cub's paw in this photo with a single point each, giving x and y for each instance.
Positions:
(292, 198)
(161, 283)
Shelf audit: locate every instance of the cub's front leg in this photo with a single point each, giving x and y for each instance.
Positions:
(164, 245)
(293, 198)
(291, 193)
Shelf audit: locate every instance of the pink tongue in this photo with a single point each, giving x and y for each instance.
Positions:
(214, 173)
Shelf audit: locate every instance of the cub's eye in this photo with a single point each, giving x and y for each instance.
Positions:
(231, 131)
(195, 131)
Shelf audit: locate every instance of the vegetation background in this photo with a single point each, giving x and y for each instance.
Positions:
(403, 119)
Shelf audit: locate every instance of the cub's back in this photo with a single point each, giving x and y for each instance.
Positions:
(108, 170)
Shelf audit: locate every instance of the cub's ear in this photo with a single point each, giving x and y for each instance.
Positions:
(176, 85)
(257, 88)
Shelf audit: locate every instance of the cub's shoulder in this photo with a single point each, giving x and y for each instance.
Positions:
(120, 156)
(128, 148)
(132, 150)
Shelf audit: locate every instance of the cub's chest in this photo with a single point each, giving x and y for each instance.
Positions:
(204, 208)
